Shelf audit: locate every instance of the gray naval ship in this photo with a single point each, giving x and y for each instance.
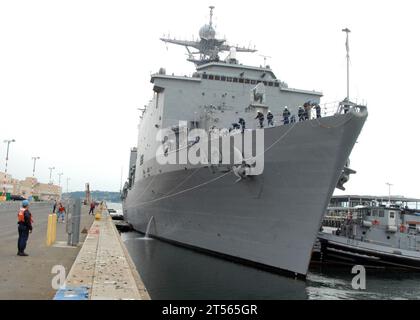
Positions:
(268, 218)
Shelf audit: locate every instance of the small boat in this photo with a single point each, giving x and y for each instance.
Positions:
(116, 214)
(371, 233)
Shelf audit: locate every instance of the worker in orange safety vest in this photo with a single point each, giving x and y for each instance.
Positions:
(24, 227)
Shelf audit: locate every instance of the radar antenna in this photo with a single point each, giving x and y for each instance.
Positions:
(208, 45)
(265, 59)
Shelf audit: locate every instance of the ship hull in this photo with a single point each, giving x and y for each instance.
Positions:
(269, 220)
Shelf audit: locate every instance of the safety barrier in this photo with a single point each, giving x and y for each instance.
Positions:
(51, 229)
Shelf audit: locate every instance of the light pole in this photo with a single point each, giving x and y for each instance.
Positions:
(7, 152)
(33, 174)
(51, 169)
(33, 169)
(389, 192)
(68, 185)
(59, 182)
(7, 158)
(59, 178)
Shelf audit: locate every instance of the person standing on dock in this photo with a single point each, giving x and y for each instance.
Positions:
(54, 206)
(92, 207)
(61, 211)
(24, 227)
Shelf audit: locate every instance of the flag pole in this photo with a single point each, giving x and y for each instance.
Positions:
(347, 31)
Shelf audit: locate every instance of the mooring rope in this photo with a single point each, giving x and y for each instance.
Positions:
(183, 181)
(186, 190)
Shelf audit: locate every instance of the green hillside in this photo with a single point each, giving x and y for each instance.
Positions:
(97, 195)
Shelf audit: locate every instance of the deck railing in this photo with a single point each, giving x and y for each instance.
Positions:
(327, 109)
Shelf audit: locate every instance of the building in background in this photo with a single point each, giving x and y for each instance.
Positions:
(6, 182)
(30, 187)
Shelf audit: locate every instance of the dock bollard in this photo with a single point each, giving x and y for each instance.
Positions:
(98, 215)
(51, 229)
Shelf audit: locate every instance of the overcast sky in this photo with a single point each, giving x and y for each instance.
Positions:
(72, 74)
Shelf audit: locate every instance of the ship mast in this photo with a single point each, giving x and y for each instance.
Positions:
(347, 31)
(211, 16)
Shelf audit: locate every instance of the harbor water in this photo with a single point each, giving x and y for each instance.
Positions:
(173, 272)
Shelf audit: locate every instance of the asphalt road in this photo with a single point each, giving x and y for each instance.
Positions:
(30, 277)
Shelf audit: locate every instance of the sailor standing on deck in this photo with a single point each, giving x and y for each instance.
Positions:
(307, 110)
(242, 123)
(318, 111)
(24, 227)
(286, 115)
(301, 113)
(270, 117)
(260, 117)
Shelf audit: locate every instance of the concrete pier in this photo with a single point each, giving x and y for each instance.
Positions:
(100, 264)
(30, 277)
(105, 267)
